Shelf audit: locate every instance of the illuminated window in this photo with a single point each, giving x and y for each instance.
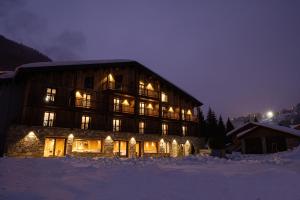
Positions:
(163, 110)
(54, 147)
(164, 128)
(48, 119)
(83, 100)
(116, 104)
(120, 148)
(164, 97)
(141, 127)
(182, 114)
(86, 146)
(150, 147)
(142, 108)
(184, 130)
(116, 125)
(85, 122)
(141, 87)
(50, 95)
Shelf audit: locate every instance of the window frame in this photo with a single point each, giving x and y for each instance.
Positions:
(84, 124)
(47, 121)
(116, 126)
(50, 96)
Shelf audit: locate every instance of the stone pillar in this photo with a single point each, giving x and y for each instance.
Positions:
(174, 150)
(131, 148)
(108, 146)
(243, 146)
(264, 144)
(69, 144)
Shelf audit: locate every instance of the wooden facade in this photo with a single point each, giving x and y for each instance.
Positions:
(110, 96)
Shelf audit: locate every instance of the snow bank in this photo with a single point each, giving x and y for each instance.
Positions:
(253, 177)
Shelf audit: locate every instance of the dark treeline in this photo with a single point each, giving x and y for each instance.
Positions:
(214, 129)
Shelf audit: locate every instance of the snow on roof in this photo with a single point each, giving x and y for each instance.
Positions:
(7, 74)
(246, 131)
(270, 126)
(295, 126)
(66, 63)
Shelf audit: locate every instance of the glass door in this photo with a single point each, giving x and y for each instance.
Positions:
(54, 147)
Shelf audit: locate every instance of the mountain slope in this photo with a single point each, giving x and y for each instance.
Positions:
(13, 54)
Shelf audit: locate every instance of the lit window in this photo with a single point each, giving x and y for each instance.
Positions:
(120, 148)
(116, 104)
(164, 97)
(184, 130)
(164, 128)
(85, 122)
(150, 147)
(182, 114)
(86, 146)
(141, 87)
(50, 95)
(141, 127)
(116, 125)
(48, 119)
(142, 108)
(83, 100)
(163, 110)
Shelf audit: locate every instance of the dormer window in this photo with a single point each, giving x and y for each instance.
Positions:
(50, 95)
(164, 97)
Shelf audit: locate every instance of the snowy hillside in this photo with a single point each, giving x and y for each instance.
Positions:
(241, 177)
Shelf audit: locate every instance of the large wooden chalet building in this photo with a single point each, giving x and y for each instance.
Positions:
(95, 108)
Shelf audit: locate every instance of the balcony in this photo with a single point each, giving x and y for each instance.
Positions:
(192, 118)
(84, 99)
(110, 85)
(170, 115)
(149, 93)
(151, 112)
(124, 109)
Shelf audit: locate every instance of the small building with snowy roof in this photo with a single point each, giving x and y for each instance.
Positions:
(260, 138)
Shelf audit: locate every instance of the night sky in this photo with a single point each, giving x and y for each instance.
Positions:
(235, 56)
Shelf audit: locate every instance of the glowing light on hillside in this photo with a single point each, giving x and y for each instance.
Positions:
(270, 114)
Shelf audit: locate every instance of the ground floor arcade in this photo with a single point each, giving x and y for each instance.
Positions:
(59, 142)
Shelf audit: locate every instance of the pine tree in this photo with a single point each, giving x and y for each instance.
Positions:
(229, 126)
(211, 123)
(202, 125)
(221, 127)
(255, 119)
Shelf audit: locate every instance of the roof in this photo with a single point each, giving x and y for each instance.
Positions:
(75, 65)
(7, 74)
(248, 127)
(296, 126)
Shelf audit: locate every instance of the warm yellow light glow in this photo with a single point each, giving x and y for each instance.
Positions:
(71, 136)
(187, 142)
(174, 141)
(162, 140)
(142, 83)
(189, 112)
(108, 138)
(270, 114)
(125, 102)
(132, 140)
(111, 78)
(31, 135)
(78, 94)
(171, 109)
(149, 106)
(149, 87)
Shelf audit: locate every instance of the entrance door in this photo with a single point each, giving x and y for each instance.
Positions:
(120, 148)
(54, 147)
(138, 149)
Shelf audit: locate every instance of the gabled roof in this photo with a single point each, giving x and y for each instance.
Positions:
(248, 127)
(85, 64)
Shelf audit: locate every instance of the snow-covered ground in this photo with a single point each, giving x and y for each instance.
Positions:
(273, 177)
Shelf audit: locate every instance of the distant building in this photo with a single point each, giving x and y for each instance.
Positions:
(95, 108)
(259, 138)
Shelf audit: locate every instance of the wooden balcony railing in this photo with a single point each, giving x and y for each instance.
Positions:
(151, 112)
(170, 115)
(117, 86)
(85, 103)
(191, 118)
(124, 109)
(148, 93)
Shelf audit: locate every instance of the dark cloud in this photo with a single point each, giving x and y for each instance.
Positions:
(67, 46)
(26, 27)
